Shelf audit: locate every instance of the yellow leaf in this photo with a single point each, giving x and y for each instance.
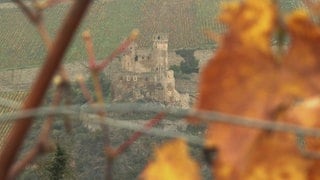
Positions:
(252, 21)
(172, 162)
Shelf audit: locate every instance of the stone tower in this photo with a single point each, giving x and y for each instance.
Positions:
(160, 52)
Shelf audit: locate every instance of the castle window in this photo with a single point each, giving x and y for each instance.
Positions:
(128, 78)
(147, 79)
(142, 57)
(158, 37)
(135, 78)
(136, 58)
(121, 78)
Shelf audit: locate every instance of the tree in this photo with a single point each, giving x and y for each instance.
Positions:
(190, 64)
(58, 166)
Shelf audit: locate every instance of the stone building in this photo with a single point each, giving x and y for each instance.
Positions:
(144, 75)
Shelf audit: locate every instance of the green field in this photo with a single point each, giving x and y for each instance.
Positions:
(110, 22)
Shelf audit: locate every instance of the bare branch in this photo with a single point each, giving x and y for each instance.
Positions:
(84, 89)
(41, 5)
(34, 17)
(138, 134)
(123, 46)
(44, 34)
(95, 70)
(89, 47)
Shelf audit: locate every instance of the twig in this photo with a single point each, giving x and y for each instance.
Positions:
(112, 154)
(123, 46)
(89, 47)
(62, 76)
(138, 134)
(99, 94)
(44, 34)
(34, 17)
(84, 89)
(53, 60)
(95, 70)
(48, 3)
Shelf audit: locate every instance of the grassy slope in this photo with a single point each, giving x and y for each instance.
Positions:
(110, 23)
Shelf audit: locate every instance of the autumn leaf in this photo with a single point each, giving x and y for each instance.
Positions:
(276, 155)
(303, 53)
(237, 81)
(172, 162)
(244, 78)
(251, 22)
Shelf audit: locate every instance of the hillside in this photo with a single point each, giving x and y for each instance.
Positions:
(110, 22)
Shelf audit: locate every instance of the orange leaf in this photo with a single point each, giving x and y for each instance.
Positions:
(244, 78)
(276, 156)
(237, 80)
(303, 54)
(251, 21)
(172, 162)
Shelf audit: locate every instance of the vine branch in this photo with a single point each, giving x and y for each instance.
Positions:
(17, 134)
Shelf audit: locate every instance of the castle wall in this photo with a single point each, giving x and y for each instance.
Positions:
(136, 86)
(145, 76)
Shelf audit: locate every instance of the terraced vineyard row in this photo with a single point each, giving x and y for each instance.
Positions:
(5, 126)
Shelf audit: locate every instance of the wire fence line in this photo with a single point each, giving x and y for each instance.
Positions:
(206, 116)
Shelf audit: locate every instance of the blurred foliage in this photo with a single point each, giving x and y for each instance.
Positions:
(249, 77)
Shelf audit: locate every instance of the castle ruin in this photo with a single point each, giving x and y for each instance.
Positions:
(144, 75)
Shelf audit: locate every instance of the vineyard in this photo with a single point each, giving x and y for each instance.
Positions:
(184, 21)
